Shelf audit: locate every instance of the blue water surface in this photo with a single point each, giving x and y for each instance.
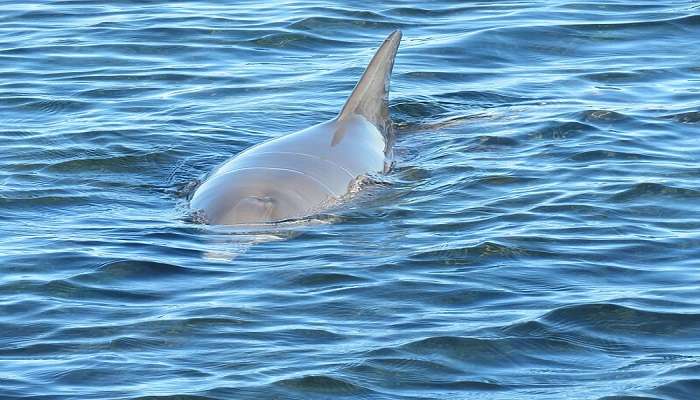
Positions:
(538, 238)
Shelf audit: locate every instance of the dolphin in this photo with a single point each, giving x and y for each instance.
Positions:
(305, 172)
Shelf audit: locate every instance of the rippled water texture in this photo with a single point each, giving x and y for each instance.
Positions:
(539, 237)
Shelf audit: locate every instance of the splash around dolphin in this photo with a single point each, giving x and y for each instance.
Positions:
(302, 173)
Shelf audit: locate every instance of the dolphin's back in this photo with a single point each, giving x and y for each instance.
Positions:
(299, 174)
(311, 152)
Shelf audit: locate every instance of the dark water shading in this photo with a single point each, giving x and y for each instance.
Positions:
(539, 237)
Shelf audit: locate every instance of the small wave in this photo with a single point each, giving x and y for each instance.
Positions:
(66, 289)
(417, 108)
(32, 14)
(691, 117)
(323, 279)
(295, 40)
(134, 270)
(595, 116)
(503, 353)
(450, 11)
(612, 77)
(316, 23)
(41, 200)
(597, 155)
(340, 11)
(680, 389)
(324, 384)
(485, 99)
(497, 141)
(381, 365)
(467, 297)
(468, 254)
(116, 93)
(145, 279)
(43, 105)
(673, 23)
(655, 190)
(182, 396)
(622, 322)
(440, 76)
(313, 336)
(411, 373)
(687, 370)
(563, 130)
(148, 333)
(112, 163)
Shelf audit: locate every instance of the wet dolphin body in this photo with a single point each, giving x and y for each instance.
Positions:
(299, 174)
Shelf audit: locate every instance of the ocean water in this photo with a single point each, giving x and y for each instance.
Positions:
(538, 238)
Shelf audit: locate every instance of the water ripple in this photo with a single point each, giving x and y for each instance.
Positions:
(537, 238)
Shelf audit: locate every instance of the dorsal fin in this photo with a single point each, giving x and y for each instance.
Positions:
(370, 97)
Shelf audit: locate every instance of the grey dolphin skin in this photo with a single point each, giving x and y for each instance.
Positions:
(300, 174)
